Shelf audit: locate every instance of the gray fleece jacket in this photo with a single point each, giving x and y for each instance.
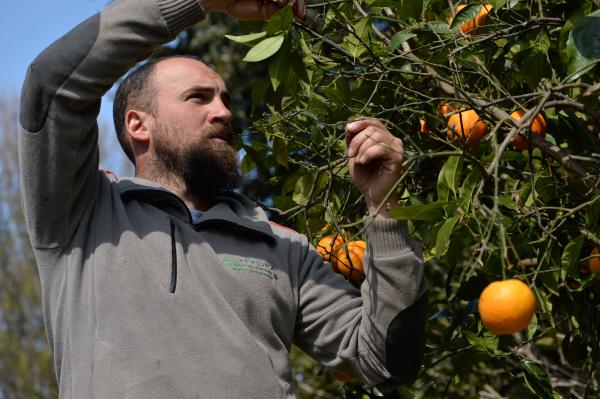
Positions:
(139, 302)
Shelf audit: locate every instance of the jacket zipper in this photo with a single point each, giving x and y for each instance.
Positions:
(173, 259)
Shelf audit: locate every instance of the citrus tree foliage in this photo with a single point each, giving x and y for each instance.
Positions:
(26, 369)
(481, 212)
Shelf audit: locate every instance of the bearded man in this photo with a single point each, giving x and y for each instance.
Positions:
(170, 284)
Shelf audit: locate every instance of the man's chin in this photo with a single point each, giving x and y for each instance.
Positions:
(214, 168)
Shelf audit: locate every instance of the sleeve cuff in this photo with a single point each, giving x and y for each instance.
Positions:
(386, 237)
(180, 14)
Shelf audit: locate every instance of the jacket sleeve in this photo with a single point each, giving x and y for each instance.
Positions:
(60, 101)
(377, 334)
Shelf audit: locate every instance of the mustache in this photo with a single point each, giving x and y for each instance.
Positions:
(221, 131)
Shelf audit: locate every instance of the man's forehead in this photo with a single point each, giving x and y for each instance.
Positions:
(180, 71)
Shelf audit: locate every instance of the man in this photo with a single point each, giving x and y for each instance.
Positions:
(170, 285)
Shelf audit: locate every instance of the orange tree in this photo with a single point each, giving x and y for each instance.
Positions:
(482, 211)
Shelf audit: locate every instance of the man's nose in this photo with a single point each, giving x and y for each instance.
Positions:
(220, 112)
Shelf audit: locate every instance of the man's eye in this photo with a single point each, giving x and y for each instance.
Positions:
(199, 97)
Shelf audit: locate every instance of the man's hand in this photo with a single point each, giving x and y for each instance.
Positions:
(375, 162)
(251, 9)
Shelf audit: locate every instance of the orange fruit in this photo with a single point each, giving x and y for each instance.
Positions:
(467, 126)
(349, 261)
(538, 127)
(329, 245)
(594, 263)
(476, 22)
(424, 126)
(507, 306)
(445, 108)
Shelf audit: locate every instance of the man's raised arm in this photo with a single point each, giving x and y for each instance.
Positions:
(60, 101)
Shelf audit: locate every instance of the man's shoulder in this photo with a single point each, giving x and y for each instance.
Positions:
(278, 226)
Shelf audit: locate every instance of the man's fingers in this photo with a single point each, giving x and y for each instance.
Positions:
(381, 150)
(361, 124)
(356, 140)
(371, 136)
(373, 152)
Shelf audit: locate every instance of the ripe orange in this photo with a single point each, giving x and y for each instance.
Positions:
(329, 245)
(476, 22)
(349, 261)
(424, 126)
(507, 306)
(594, 263)
(537, 127)
(468, 126)
(445, 108)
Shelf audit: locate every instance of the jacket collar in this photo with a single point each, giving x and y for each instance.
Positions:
(229, 209)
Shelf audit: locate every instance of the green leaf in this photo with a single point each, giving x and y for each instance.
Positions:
(570, 256)
(281, 21)
(546, 189)
(289, 184)
(443, 237)
(429, 212)
(507, 202)
(264, 49)
(497, 4)
(448, 177)
(355, 40)
(536, 379)
(439, 27)
(468, 188)
(550, 280)
(443, 193)
(302, 189)
(487, 343)
(279, 66)
(256, 156)
(400, 38)
(583, 45)
(280, 151)
(533, 68)
(466, 14)
(247, 164)
(246, 39)
(335, 94)
(532, 327)
(299, 67)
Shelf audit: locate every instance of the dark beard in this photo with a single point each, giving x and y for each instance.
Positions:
(205, 168)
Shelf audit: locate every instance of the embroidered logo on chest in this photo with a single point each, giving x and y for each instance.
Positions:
(251, 266)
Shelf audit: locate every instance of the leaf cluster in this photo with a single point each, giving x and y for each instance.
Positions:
(481, 214)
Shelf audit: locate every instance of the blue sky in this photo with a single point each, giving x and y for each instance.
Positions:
(29, 26)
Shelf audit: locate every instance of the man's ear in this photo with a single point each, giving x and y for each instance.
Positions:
(138, 126)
